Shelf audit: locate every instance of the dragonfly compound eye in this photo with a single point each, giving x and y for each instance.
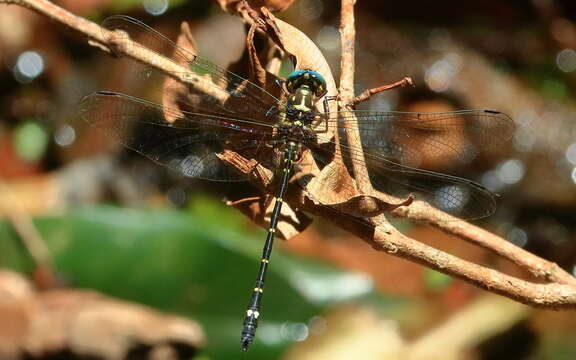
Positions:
(308, 78)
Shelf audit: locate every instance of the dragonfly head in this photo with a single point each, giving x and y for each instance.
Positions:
(306, 78)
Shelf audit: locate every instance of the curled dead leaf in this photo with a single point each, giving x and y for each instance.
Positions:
(175, 91)
(256, 69)
(259, 209)
(368, 205)
(334, 187)
(305, 51)
(261, 175)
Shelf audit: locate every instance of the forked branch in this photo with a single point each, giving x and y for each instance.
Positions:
(561, 292)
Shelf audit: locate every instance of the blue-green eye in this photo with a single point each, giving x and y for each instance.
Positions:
(309, 78)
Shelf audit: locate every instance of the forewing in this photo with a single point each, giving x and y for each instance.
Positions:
(186, 80)
(428, 140)
(189, 145)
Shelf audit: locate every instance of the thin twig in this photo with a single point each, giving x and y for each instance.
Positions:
(557, 295)
(367, 94)
(347, 62)
(346, 91)
(27, 232)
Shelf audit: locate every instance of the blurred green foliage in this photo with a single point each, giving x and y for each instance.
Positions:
(200, 263)
(31, 140)
(435, 280)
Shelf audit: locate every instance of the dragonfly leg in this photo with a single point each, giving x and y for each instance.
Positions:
(325, 103)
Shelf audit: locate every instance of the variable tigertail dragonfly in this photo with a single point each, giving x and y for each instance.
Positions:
(278, 129)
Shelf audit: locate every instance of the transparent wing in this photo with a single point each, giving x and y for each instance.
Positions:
(426, 139)
(391, 145)
(187, 80)
(188, 146)
(453, 195)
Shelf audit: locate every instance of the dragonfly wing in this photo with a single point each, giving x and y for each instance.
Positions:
(453, 195)
(427, 140)
(186, 80)
(188, 146)
(392, 145)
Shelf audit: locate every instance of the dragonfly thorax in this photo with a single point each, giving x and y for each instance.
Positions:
(304, 88)
(301, 101)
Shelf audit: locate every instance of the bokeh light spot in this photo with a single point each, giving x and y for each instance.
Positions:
(65, 135)
(155, 7)
(511, 171)
(31, 140)
(566, 60)
(328, 38)
(517, 236)
(571, 153)
(311, 9)
(29, 66)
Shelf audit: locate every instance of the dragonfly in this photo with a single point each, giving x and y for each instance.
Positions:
(281, 127)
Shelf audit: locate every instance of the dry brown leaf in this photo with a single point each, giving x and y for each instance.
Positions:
(292, 222)
(85, 323)
(333, 187)
(257, 71)
(173, 90)
(304, 50)
(257, 207)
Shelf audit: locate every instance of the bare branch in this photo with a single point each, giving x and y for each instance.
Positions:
(538, 267)
(552, 295)
(346, 91)
(28, 235)
(561, 293)
(368, 93)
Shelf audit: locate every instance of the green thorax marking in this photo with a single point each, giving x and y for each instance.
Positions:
(304, 87)
(302, 99)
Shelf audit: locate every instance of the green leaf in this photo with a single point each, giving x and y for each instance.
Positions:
(200, 264)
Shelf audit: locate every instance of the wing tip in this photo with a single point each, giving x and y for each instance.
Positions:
(499, 113)
(106, 92)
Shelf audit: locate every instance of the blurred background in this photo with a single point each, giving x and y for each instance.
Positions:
(116, 223)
